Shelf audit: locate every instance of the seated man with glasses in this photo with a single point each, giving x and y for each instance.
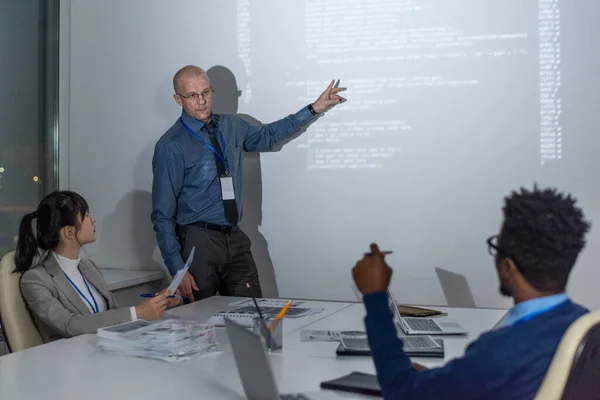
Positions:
(542, 234)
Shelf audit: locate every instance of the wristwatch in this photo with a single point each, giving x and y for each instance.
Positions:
(312, 110)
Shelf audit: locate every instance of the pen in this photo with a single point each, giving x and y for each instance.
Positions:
(150, 295)
(385, 253)
(255, 303)
(262, 320)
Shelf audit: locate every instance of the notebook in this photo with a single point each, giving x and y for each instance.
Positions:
(246, 320)
(421, 347)
(355, 382)
(293, 311)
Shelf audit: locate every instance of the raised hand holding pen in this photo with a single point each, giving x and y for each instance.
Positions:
(372, 274)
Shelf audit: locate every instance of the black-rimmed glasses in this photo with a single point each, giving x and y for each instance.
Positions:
(495, 250)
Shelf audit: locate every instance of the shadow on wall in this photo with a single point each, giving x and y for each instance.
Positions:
(456, 289)
(225, 101)
(144, 246)
(128, 239)
(127, 233)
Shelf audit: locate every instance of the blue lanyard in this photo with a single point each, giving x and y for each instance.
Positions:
(210, 146)
(94, 307)
(535, 314)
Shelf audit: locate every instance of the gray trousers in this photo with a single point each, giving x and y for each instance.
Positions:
(222, 262)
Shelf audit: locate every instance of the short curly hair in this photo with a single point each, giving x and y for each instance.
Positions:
(543, 232)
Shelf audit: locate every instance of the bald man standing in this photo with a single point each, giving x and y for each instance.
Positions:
(197, 186)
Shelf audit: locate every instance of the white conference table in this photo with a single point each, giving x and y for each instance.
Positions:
(475, 321)
(74, 369)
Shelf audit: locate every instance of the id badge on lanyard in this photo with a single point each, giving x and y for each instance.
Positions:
(227, 187)
(226, 179)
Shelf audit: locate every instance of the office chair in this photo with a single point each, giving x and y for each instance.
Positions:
(574, 372)
(19, 329)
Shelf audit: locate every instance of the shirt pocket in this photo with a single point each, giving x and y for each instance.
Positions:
(202, 166)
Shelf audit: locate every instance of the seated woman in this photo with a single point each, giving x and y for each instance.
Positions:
(66, 294)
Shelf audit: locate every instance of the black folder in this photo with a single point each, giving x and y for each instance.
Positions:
(355, 382)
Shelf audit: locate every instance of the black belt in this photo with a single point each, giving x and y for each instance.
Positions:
(214, 227)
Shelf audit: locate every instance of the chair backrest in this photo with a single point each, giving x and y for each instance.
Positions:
(19, 329)
(574, 372)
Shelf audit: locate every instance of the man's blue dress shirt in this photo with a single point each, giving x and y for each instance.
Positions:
(186, 186)
(530, 308)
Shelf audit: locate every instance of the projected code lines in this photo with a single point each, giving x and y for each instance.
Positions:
(355, 31)
(428, 51)
(549, 64)
(244, 35)
(389, 35)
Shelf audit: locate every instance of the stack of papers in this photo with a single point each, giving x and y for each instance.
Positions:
(169, 340)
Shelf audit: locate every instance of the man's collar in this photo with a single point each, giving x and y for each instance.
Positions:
(533, 307)
(195, 124)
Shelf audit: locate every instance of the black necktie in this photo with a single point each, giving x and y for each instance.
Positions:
(229, 206)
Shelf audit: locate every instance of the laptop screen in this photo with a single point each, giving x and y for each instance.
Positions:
(392, 304)
(252, 362)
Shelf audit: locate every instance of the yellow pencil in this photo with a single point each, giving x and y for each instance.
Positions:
(284, 310)
(280, 316)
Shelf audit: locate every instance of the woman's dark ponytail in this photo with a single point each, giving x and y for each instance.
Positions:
(57, 210)
(27, 247)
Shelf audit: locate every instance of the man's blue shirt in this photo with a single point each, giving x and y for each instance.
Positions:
(186, 186)
(530, 308)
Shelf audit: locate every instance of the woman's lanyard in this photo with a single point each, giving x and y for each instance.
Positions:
(526, 318)
(94, 307)
(221, 157)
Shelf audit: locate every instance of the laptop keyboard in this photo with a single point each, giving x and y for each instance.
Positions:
(423, 325)
(294, 396)
(418, 342)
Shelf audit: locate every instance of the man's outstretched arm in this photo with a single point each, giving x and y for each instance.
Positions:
(264, 137)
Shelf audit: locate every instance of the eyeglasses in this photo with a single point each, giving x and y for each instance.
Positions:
(195, 96)
(495, 250)
(492, 246)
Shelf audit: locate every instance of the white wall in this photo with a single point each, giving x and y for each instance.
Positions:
(435, 204)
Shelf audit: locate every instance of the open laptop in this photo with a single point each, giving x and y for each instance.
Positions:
(414, 346)
(425, 326)
(254, 368)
